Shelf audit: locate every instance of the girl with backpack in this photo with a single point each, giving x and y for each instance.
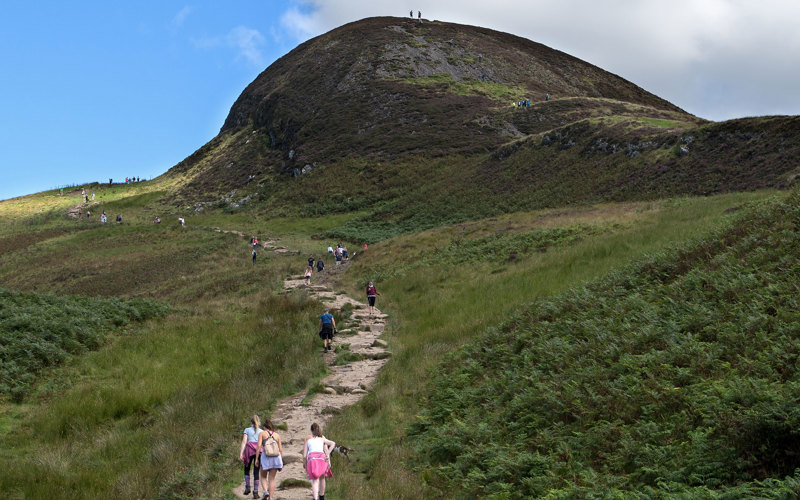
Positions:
(271, 448)
(249, 454)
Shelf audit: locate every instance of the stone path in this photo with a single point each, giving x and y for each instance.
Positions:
(344, 386)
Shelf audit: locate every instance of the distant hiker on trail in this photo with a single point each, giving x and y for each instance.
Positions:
(365, 246)
(320, 265)
(419, 16)
(310, 261)
(307, 275)
(88, 213)
(330, 250)
(338, 255)
(181, 221)
(157, 220)
(103, 218)
(137, 178)
(110, 181)
(317, 460)
(86, 197)
(327, 326)
(255, 254)
(547, 97)
(61, 191)
(411, 13)
(371, 293)
(119, 218)
(255, 242)
(345, 255)
(249, 454)
(92, 196)
(269, 443)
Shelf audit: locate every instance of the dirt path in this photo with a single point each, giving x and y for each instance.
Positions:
(344, 386)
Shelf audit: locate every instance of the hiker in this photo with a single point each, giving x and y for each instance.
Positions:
(345, 255)
(137, 178)
(365, 246)
(255, 242)
(61, 191)
(255, 254)
(310, 261)
(249, 454)
(88, 213)
(86, 197)
(307, 275)
(320, 265)
(317, 460)
(338, 255)
(181, 221)
(327, 327)
(119, 218)
(419, 16)
(269, 443)
(157, 220)
(330, 250)
(110, 181)
(411, 13)
(371, 293)
(547, 97)
(92, 196)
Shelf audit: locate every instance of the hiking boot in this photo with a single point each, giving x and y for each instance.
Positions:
(325, 349)
(255, 495)
(247, 490)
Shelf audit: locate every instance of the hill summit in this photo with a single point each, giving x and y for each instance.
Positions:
(390, 110)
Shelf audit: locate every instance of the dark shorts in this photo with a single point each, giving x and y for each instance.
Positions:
(327, 331)
(371, 300)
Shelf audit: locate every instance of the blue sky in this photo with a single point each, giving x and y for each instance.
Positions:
(116, 89)
(96, 90)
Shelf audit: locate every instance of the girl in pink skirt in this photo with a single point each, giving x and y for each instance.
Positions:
(317, 460)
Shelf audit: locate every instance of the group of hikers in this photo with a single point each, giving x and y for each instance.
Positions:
(419, 15)
(262, 449)
(525, 103)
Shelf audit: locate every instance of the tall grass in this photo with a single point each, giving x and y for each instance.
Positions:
(159, 415)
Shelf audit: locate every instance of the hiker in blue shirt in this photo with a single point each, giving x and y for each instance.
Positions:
(327, 328)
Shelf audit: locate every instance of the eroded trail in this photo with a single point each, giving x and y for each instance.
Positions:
(345, 385)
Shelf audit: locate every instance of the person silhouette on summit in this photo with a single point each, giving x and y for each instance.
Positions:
(411, 14)
(419, 16)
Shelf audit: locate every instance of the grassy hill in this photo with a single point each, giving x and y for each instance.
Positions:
(590, 296)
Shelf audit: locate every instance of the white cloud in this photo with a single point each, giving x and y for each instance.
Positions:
(246, 41)
(181, 16)
(706, 56)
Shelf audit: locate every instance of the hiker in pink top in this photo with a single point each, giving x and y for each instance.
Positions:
(317, 460)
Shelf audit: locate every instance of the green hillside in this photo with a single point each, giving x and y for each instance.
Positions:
(678, 374)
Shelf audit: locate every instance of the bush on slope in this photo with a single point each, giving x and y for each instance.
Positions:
(679, 374)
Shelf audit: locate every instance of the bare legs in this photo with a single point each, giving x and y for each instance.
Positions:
(315, 488)
(272, 473)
